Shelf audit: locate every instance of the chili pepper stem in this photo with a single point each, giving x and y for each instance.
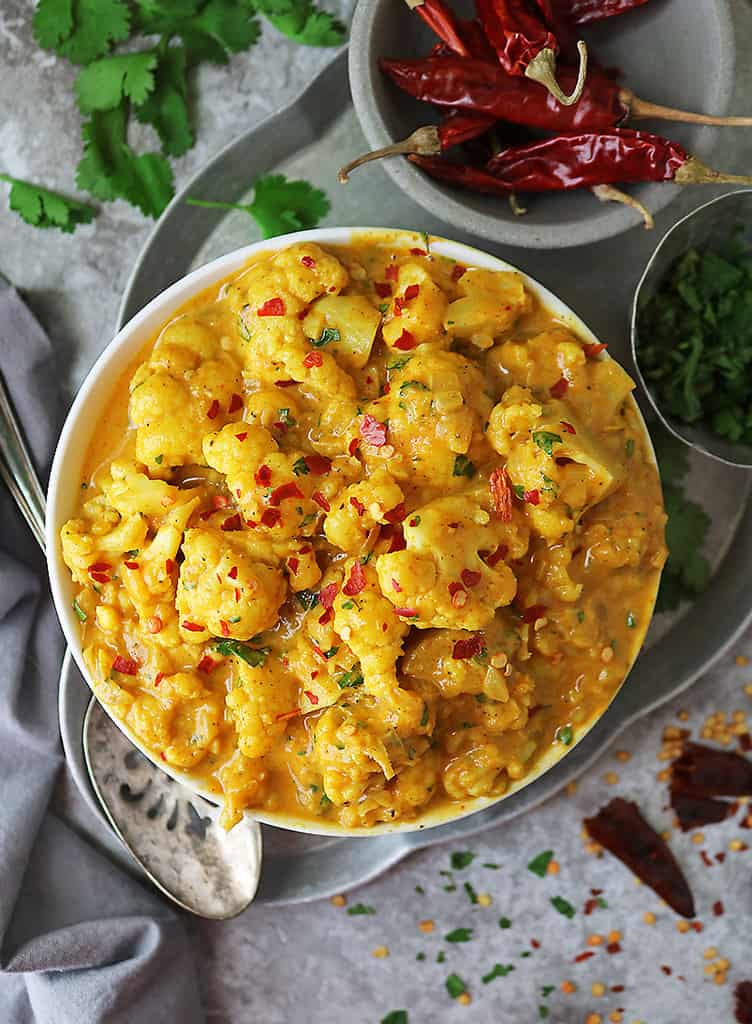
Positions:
(641, 109)
(609, 194)
(516, 206)
(423, 142)
(695, 172)
(542, 69)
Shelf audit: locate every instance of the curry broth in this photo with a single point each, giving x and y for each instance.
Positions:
(455, 582)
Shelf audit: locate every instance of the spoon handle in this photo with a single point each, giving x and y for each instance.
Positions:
(17, 469)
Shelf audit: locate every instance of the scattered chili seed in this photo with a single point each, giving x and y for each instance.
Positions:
(272, 307)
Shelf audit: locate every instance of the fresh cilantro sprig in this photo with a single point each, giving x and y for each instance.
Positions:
(278, 205)
(45, 209)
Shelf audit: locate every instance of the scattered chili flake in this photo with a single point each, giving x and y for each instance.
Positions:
(312, 698)
(313, 359)
(666, 969)
(317, 464)
(169, 566)
(233, 523)
(287, 715)
(397, 514)
(501, 494)
(353, 446)
(326, 617)
(373, 431)
(470, 578)
(327, 595)
(584, 956)
(100, 567)
(131, 565)
(706, 859)
(411, 292)
(396, 586)
(405, 342)
(469, 648)
(394, 534)
(622, 830)
(533, 613)
(126, 666)
(285, 383)
(320, 500)
(158, 678)
(233, 573)
(224, 627)
(236, 403)
(272, 307)
(383, 289)
(457, 271)
(308, 261)
(743, 997)
(406, 613)
(192, 627)
(455, 587)
(356, 582)
(220, 501)
(567, 427)
(613, 947)
(271, 517)
(358, 506)
(532, 497)
(213, 409)
(263, 476)
(206, 664)
(284, 492)
(293, 565)
(560, 388)
(591, 351)
(417, 252)
(492, 558)
(242, 436)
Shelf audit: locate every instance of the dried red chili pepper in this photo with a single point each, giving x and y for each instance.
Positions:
(527, 47)
(583, 12)
(621, 829)
(443, 21)
(702, 771)
(476, 85)
(697, 811)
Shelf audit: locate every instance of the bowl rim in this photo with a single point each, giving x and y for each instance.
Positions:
(614, 218)
(671, 425)
(78, 428)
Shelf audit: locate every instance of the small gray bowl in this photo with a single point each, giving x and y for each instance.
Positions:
(710, 224)
(676, 52)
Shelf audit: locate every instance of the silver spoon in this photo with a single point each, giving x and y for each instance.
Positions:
(171, 833)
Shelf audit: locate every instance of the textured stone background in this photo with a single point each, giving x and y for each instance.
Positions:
(314, 963)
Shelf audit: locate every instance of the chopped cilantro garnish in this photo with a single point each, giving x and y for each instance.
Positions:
(504, 922)
(488, 864)
(440, 957)
(462, 859)
(543, 1012)
(463, 467)
(328, 335)
(307, 599)
(383, 307)
(308, 519)
(459, 935)
(471, 893)
(455, 986)
(565, 735)
(420, 890)
(602, 903)
(563, 906)
(416, 385)
(580, 615)
(629, 447)
(631, 620)
(159, 459)
(420, 956)
(360, 908)
(395, 1017)
(253, 656)
(347, 605)
(279, 205)
(539, 865)
(546, 440)
(80, 613)
(243, 331)
(519, 491)
(425, 716)
(331, 652)
(546, 990)
(350, 679)
(397, 364)
(497, 971)
(300, 468)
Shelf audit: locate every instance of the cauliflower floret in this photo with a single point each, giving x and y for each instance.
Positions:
(541, 361)
(224, 590)
(348, 755)
(491, 303)
(310, 271)
(181, 719)
(516, 413)
(83, 548)
(244, 782)
(440, 576)
(359, 507)
(128, 489)
(416, 313)
(258, 705)
(352, 323)
(186, 386)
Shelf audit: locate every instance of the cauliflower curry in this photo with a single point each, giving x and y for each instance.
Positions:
(367, 532)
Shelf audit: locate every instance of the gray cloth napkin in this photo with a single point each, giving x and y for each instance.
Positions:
(80, 941)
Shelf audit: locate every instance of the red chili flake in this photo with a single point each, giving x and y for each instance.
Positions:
(593, 350)
(241, 437)
(225, 627)
(534, 612)
(696, 926)
(206, 664)
(560, 388)
(100, 577)
(501, 494)
(237, 596)
(391, 272)
(232, 523)
(470, 578)
(743, 997)
(317, 464)
(213, 409)
(169, 566)
(396, 514)
(373, 431)
(303, 313)
(306, 550)
(666, 969)
(532, 497)
(386, 389)
(414, 522)
(492, 558)
(308, 261)
(418, 252)
(251, 524)
(233, 573)
(718, 908)
(405, 342)
(126, 666)
(617, 988)
(100, 567)
(286, 715)
(285, 383)
(326, 617)
(535, 944)
(590, 906)
(745, 742)
(706, 859)
(567, 427)
(396, 586)
(469, 648)
(192, 627)
(317, 650)
(327, 595)
(383, 289)
(583, 956)
(622, 830)
(220, 501)
(314, 673)
(313, 359)
(454, 588)
(272, 307)
(613, 947)
(720, 857)
(353, 446)
(293, 564)
(263, 476)
(131, 565)
(394, 534)
(312, 698)
(357, 581)
(158, 678)
(236, 402)
(358, 506)
(405, 613)
(457, 271)
(746, 820)
(271, 517)
(285, 491)
(320, 500)
(411, 292)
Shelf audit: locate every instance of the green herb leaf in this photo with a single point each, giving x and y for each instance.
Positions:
(360, 908)
(504, 922)
(300, 468)
(45, 209)
(463, 467)
(303, 21)
(328, 335)
(546, 441)
(494, 867)
(307, 599)
(351, 679)
(497, 971)
(629, 448)
(80, 613)
(563, 906)
(519, 491)
(546, 990)
(80, 30)
(462, 859)
(471, 893)
(395, 1017)
(565, 735)
(459, 935)
(166, 109)
(105, 83)
(539, 865)
(631, 620)
(455, 986)
(543, 1012)
(279, 205)
(253, 656)
(398, 364)
(210, 31)
(417, 385)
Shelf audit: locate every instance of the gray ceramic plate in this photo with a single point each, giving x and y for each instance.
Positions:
(307, 140)
(676, 52)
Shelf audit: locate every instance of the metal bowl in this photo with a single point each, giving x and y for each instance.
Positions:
(658, 47)
(707, 225)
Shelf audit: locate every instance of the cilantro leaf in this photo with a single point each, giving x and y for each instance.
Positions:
(461, 859)
(539, 865)
(253, 656)
(303, 21)
(360, 908)
(44, 209)
(211, 31)
(395, 1017)
(463, 467)
(111, 170)
(497, 971)
(81, 30)
(105, 82)
(459, 935)
(166, 109)
(563, 906)
(546, 440)
(279, 205)
(455, 986)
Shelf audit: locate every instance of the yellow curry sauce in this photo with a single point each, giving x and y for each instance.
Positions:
(367, 531)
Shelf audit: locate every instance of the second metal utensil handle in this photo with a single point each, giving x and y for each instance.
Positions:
(17, 469)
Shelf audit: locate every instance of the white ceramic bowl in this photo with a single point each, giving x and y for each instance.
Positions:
(95, 394)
